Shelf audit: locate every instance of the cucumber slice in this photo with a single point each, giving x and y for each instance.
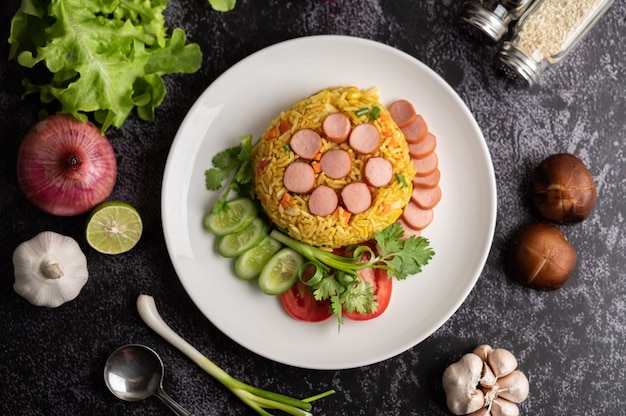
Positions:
(281, 272)
(248, 266)
(239, 213)
(234, 244)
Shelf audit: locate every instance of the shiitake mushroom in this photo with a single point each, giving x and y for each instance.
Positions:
(540, 257)
(563, 190)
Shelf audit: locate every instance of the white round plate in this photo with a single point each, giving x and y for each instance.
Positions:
(243, 101)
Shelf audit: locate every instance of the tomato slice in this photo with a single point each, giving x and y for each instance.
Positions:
(382, 289)
(300, 303)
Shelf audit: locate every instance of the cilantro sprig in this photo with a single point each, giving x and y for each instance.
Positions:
(337, 276)
(232, 163)
(402, 257)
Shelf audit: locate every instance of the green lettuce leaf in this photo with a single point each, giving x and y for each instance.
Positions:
(103, 57)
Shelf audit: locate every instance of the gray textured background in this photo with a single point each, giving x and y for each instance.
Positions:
(571, 343)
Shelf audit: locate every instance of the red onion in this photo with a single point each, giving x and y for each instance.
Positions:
(66, 167)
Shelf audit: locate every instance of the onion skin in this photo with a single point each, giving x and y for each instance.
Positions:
(65, 167)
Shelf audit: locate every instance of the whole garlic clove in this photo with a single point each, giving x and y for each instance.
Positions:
(483, 351)
(501, 407)
(463, 405)
(514, 387)
(502, 362)
(460, 381)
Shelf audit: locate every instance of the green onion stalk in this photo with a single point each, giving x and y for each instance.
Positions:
(346, 268)
(255, 398)
(399, 256)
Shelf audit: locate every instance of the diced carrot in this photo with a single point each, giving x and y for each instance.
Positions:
(391, 142)
(386, 208)
(270, 134)
(285, 200)
(343, 215)
(261, 165)
(284, 127)
(318, 156)
(317, 167)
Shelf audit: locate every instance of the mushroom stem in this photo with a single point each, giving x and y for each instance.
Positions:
(51, 269)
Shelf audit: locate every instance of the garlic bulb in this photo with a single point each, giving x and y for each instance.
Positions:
(50, 269)
(485, 382)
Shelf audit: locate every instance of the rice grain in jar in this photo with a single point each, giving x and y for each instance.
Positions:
(545, 33)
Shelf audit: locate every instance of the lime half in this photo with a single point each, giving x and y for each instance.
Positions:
(114, 227)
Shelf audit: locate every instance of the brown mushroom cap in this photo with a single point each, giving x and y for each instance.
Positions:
(563, 190)
(540, 257)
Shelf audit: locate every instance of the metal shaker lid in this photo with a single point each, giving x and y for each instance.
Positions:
(484, 24)
(517, 66)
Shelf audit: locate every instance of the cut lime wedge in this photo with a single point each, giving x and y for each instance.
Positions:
(114, 227)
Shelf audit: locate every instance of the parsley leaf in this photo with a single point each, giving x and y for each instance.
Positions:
(227, 159)
(403, 257)
(359, 298)
(233, 163)
(336, 306)
(327, 288)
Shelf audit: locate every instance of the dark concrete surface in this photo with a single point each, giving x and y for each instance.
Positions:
(571, 343)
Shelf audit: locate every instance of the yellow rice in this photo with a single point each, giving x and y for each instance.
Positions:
(271, 157)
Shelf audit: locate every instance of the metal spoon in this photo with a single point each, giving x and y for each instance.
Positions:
(135, 372)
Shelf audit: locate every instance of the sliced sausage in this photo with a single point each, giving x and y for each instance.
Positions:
(323, 201)
(299, 177)
(408, 231)
(364, 138)
(426, 198)
(416, 130)
(378, 171)
(426, 165)
(306, 143)
(402, 112)
(424, 147)
(428, 181)
(416, 217)
(356, 197)
(336, 163)
(336, 127)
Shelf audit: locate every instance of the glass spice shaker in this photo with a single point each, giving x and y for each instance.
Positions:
(489, 20)
(544, 34)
